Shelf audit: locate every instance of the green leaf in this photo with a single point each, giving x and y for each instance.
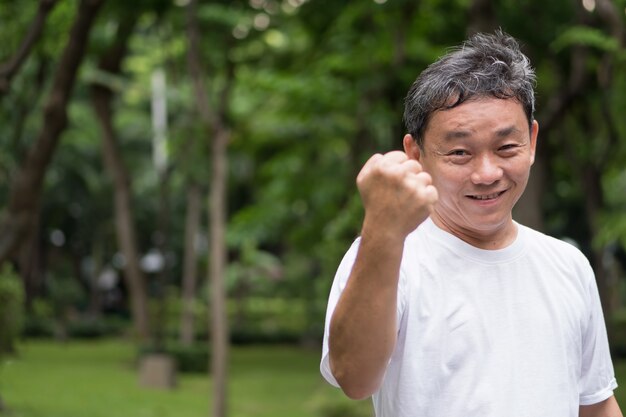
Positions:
(585, 36)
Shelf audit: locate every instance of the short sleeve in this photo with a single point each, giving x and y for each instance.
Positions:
(339, 283)
(597, 377)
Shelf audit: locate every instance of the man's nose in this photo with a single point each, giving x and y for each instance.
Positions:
(487, 170)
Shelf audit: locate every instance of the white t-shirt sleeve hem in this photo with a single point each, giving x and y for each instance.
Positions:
(326, 373)
(600, 395)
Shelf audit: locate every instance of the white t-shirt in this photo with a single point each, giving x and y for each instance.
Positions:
(515, 332)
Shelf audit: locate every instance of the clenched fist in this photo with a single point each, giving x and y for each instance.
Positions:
(397, 194)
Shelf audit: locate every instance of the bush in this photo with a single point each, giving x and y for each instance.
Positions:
(189, 359)
(11, 309)
(39, 323)
(43, 323)
(95, 327)
(257, 336)
(36, 327)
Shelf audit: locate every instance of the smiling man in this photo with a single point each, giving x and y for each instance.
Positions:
(445, 306)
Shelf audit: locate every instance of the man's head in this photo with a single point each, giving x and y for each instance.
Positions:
(484, 66)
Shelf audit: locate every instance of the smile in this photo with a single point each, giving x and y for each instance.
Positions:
(487, 196)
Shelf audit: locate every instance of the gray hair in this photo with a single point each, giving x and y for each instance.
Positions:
(484, 65)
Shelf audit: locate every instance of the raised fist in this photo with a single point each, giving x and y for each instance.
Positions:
(397, 194)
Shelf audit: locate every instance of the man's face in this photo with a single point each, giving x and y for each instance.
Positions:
(479, 155)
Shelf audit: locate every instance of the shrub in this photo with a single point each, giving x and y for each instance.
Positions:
(40, 322)
(36, 327)
(189, 359)
(255, 336)
(11, 309)
(95, 327)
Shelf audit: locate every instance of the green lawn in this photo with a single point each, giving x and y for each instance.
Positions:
(98, 379)
(620, 392)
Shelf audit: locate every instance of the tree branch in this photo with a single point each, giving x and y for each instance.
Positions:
(611, 18)
(9, 69)
(207, 113)
(26, 187)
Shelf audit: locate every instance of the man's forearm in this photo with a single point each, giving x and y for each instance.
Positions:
(363, 326)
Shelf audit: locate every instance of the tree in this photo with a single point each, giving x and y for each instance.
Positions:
(102, 95)
(190, 264)
(26, 187)
(217, 129)
(9, 69)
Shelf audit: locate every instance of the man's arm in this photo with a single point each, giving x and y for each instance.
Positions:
(397, 197)
(363, 326)
(606, 408)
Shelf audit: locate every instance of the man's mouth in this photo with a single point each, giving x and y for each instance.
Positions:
(487, 196)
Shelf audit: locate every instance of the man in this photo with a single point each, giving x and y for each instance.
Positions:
(445, 306)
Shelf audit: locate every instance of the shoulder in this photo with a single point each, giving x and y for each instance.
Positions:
(551, 243)
(561, 252)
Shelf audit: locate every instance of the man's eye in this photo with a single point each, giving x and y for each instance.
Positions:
(458, 152)
(508, 147)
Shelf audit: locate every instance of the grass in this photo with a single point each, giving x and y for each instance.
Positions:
(98, 379)
(620, 392)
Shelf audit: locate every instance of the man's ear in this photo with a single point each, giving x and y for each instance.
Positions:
(411, 148)
(534, 132)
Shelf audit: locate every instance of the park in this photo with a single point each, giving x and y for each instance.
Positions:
(177, 186)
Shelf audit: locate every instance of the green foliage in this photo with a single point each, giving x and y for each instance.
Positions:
(39, 322)
(585, 36)
(617, 326)
(43, 322)
(613, 220)
(11, 308)
(14, 20)
(254, 270)
(317, 89)
(96, 327)
(64, 293)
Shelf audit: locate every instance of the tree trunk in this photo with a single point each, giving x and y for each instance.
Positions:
(26, 186)
(11, 68)
(97, 254)
(30, 260)
(190, 265)
(594, 201)
(124, 223)
(161, 237)
(528, 210)
(219, 323)
(160, 326)
(481, 17)
(214, 120)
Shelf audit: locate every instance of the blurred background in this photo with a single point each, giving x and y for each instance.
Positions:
(177, 185)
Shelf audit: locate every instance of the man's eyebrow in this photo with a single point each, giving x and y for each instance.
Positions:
(457, 134)
(507, 131)
(501, 133)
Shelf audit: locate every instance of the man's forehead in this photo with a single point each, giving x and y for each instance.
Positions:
(502, 132)
(502, 117)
